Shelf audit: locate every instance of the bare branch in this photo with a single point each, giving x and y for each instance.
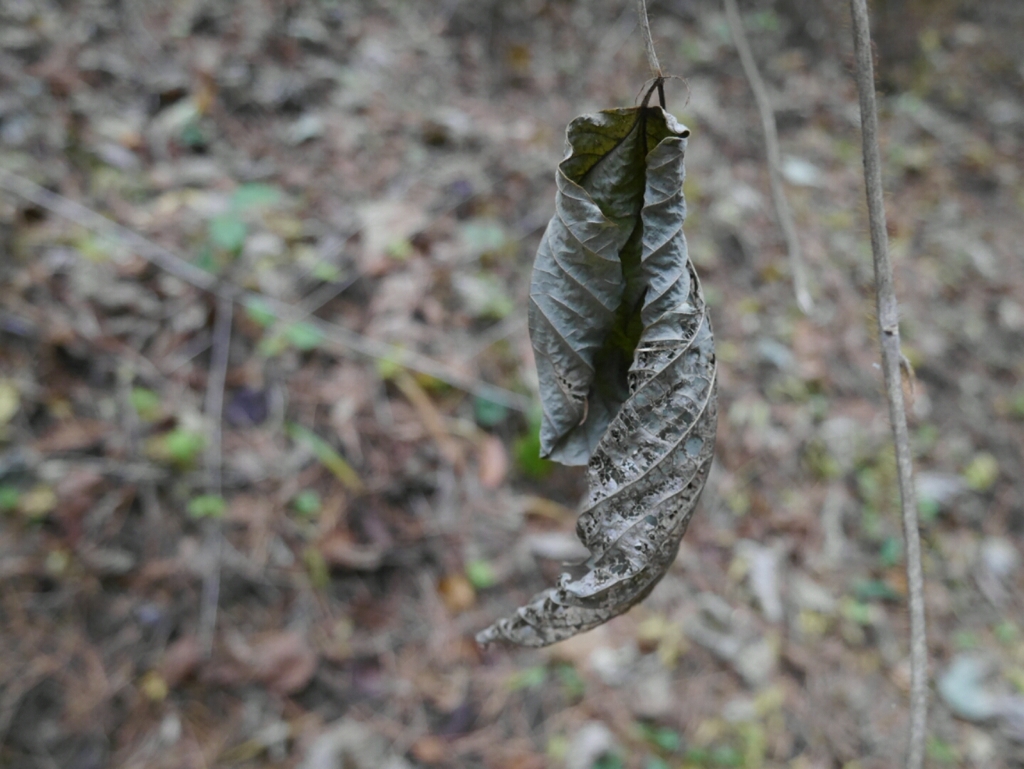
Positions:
(771, 140)
(645, 30)
(889, 338)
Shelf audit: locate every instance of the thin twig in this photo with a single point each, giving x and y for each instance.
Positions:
(771, 140)
(889, 339)
(214, 407)
(337, 338)
(645, 29)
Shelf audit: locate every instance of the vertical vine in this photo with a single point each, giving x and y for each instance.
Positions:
(892, 360)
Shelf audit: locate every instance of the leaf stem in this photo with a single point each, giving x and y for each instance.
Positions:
(889, 339)
(659, 86)
(645, 29)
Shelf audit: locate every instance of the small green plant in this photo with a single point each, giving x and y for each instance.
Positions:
(304, 336)
(259, 311)
(572, 682)
(528, 678)
(307, 503)
(891, 552)
(663, 738)
(942, 752)
(227, 232)
(982, 471)
(867, 590)
(965, 640)
(1006, 632)
(488, 413)
(480, 574)
(179, 447)
(316, 567)
(820, 462)
(207, 506)
(9, 496)
(249, 197)
(609, 761)
(526, 449)
(720, 756)
(183, 446)
(147, 404)
(1017, 403)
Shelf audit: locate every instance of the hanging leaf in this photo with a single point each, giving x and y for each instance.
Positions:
(626, 363)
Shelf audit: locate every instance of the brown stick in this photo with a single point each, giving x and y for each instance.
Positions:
(889, 338)
(771, 140)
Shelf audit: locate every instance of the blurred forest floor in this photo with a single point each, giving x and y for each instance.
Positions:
(385, 170)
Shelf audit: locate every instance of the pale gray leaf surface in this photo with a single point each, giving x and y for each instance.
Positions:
(626, 363)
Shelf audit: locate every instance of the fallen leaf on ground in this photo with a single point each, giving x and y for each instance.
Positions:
(352, 745)
(591, 742)
(285, 662)
(153, 687)
(78, 483)
(37, 502)
(457, 593)
(76, 493)
(180, 661)
(73, 435)
(524, 761)
(340, 551)
(387, 227)
(547, 508)
(429, 750)
(492, 462)
(962, 688)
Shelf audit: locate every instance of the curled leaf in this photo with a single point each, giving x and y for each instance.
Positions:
(626, 363)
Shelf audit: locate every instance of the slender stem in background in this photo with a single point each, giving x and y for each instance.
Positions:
(645, 29)
(889, 338)
(214, 407)
(771, 140)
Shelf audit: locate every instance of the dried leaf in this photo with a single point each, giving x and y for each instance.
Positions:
(72, 435)
(351, 744)
(387, 227)
(78, 489)
(180, 661)
(429, 749)
(38, 502)
(492, 462)
(285, 662)
(626, 364)
(339, 550)
(154, 687)
(457, 593)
